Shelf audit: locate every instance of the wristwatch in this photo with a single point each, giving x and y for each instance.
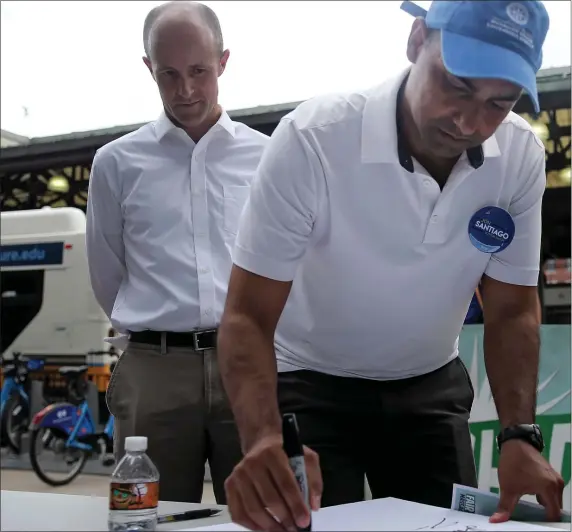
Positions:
(529, 433)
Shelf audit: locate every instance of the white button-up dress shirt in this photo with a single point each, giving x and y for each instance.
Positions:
(162, 217)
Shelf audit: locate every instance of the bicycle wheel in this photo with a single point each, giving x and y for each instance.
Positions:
(15, 421)
(50, 439)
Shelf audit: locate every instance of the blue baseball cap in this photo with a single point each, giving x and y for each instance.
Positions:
(490, 38)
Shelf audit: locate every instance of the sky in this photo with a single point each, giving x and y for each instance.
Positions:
(76, 66)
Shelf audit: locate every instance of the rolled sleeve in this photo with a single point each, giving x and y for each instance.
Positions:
(279, 216)
(519, 263)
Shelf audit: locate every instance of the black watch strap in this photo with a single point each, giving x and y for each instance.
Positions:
(528, 433)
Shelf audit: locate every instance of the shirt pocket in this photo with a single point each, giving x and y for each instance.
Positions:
(235, 197)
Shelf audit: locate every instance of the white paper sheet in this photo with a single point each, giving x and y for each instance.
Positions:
(395, 515)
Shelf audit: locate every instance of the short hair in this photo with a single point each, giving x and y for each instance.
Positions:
(207, 14)
(433, 35)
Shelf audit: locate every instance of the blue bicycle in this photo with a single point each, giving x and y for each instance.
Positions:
(14, 399)
(66, 434)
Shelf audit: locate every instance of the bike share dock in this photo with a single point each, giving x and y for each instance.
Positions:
(47, 385)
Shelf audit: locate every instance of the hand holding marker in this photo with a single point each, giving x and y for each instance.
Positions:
(295, 453)
(270, 488)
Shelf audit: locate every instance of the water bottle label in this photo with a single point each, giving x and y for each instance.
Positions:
(133, 496)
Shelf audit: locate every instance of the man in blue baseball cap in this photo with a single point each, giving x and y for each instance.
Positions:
(490, 40)
(490, 46)
(373, 218)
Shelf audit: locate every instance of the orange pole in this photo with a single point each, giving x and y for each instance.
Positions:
(479, 298)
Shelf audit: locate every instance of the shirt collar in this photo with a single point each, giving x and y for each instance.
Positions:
(163, 126)
(381, 139)
(226, 123)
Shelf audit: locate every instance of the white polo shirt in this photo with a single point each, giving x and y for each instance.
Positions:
(382, 265)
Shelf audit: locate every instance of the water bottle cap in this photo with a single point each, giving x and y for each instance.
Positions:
(136, 443)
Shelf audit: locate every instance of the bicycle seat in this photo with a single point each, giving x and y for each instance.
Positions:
(73, 371)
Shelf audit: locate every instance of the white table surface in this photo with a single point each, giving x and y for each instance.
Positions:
(28, 511)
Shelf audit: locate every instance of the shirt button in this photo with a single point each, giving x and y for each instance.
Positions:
(207, 311)
(204, 270)
(434, 218)
(200, 233)
(427, 182)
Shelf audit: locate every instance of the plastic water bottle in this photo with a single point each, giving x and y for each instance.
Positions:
(134, 490)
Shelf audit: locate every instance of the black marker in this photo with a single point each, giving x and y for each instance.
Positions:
(295, 453)
(188, 516)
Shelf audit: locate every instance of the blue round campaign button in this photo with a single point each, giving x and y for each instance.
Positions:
(491, 229)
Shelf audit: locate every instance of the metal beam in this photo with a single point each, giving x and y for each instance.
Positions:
(33, 163)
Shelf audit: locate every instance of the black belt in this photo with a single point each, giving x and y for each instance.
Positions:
(197, 340)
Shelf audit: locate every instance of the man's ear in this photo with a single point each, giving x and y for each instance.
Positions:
(417, 38)
(223, 61)
(147, 62)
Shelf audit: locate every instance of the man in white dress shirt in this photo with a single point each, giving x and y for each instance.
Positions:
(372, 219)
(163, 210)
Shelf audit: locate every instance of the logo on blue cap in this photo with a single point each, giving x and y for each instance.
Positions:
(491, 229)
(517, 13)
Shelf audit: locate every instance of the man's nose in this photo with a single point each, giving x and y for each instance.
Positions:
(468, 121)
(186, 88)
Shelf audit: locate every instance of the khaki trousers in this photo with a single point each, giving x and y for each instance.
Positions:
(177, 400)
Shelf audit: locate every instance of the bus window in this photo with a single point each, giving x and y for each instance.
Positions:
(21, 300)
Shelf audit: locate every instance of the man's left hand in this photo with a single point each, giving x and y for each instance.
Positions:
(524, 471)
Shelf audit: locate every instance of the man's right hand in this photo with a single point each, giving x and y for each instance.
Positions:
(262, 485)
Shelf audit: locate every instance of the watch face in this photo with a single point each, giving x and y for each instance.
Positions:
(538, 434)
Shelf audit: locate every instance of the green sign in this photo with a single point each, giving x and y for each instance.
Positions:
(553, 410)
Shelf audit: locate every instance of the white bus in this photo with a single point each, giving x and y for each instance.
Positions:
(47, 306)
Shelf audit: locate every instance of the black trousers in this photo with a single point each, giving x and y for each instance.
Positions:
(410, 437)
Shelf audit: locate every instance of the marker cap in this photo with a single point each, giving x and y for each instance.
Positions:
(291, 436)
